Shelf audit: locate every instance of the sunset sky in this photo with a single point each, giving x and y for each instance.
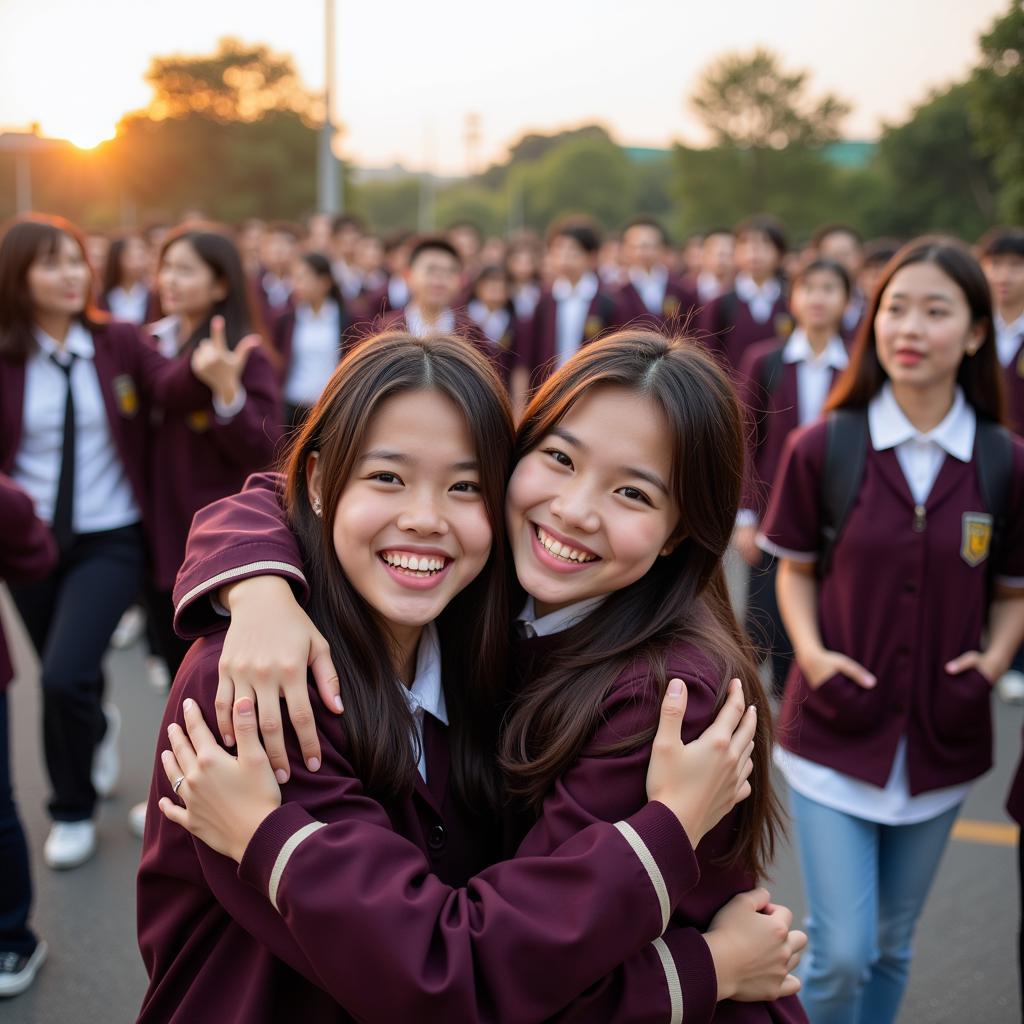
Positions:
(409, 72)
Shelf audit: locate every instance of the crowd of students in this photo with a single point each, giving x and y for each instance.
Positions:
(522, 463)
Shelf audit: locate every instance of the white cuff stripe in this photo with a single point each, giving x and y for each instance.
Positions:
(675, 989)
(285, 855)
(639, 847)
(218, 581)
(779, 552)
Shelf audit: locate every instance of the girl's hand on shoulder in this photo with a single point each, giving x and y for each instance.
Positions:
(703, 780)
(754, 949)
(269, 646)
(820, 666)
(225, 798)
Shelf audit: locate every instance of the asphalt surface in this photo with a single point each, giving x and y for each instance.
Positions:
(965, 960)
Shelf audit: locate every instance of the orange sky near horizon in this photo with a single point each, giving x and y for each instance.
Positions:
(407, 82)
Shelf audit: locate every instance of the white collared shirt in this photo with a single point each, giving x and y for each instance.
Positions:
(651, 287)
(1008, 338)
(921, 455)
(813, 372)
(854, 311)
(708, 287)
(526, 299)
(761, 301)
(398, 292)
(131, 305)
(572, 303)
(556, 621)
(420, 328)
(426, 693)
(168, 342)
(350, 281)
(493, 322)
(103, 498)
(314, 352)
(277, 289)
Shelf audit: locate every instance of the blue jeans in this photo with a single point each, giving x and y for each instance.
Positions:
(15, 878)
(866, 884)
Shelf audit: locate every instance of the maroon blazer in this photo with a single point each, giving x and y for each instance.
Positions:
(371, 305)
(540, 346)
(1013, 375)
(246, 535)
(773, 416)
(902, 602)
(730, 340)
(283, 333)
(197, 459)
(365, 902)
(134, 379)
(27, 551)
(679, 305)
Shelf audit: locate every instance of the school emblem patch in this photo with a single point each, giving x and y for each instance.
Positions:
(198, 421)
(977, 537)
(783, 325)
(125, 395)
(593, 327)
(670, 307)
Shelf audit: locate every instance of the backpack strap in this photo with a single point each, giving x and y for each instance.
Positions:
(846, 445)
(993, 461)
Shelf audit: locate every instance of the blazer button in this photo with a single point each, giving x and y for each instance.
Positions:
(910, 587)
(437, 838)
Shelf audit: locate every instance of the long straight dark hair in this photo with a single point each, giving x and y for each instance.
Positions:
(218, 251)
(24, 241)
(979, 375)
(681, 599)
(473, 629)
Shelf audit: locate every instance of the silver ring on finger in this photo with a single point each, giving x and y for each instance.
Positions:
(177, 784)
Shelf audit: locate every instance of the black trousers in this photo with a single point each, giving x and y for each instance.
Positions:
(764, 622)
(70, 616)
(163, 641)
(15, 875)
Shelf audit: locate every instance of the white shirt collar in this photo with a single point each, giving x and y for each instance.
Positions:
(426, 691)
(586, 288)
(558, 621)
(78, 342)
(747, 289)
(798, 350)
(889, 426)
(419, 328)
(640, 277)
(328, 312)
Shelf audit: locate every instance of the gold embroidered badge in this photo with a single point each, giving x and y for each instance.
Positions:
(783, 325)
(670, 307)
(125, 395)
(198, 421)
(593, 327)
(977, 537)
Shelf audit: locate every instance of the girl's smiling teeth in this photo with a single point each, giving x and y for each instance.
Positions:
(412, 564)
(560, 550)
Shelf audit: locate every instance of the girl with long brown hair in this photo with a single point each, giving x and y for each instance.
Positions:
(402, 536)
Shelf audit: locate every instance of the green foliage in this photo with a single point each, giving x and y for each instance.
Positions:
(387, 205)
(997, 108)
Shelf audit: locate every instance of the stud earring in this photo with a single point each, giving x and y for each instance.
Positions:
(318, 508)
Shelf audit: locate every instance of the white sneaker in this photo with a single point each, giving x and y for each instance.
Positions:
(129, 629)
(157, 674)
(69, 844)
(1011, 687)
(18, 972)
(106, 761)
(137, 820)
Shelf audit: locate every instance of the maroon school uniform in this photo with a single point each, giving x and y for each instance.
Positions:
(902, 601)
(27, 552)
(197, 459)
(729, 329)
(541, 345)
(677, 307)
(134, 378)
(1013, 377)
(245, 536)
(359, 900)
(774, 413)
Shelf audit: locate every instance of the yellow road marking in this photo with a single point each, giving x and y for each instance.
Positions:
(991, 833)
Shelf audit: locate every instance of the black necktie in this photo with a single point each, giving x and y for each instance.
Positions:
(62, 523)
(524, 630)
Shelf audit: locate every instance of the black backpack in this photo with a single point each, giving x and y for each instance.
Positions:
(846, 447)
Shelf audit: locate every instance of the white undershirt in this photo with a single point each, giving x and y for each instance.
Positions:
(493, 322)
(103, 498)
(420, 328)
(426, 694)
(314, 354)
(920, 457)
(131, 305)
(708, 287)
(651, 287)
(571, 307)
(1008, 338)
(398, 292)
(525, 300)
(813, 372)
(759, 300)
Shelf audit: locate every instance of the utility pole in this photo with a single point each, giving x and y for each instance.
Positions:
(329, 191)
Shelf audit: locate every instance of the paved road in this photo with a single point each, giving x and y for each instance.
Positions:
(964, 968)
